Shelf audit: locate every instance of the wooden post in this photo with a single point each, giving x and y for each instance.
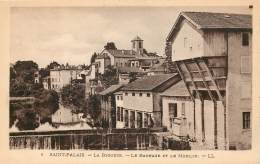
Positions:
(137, 142)
(126, 141)
(108, 142)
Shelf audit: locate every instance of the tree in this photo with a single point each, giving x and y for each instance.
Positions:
(73, 96)
(110, 76)
(45, 104)
(93, 58)
(52, 65)
(25, 71)
(110, 46)
(132, 76)
(93, 109)
(28, 120)
(44, 72)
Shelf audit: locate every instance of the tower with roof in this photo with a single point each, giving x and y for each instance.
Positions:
(137, 45)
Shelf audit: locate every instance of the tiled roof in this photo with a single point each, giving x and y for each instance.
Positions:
(102, 56)
(111, 89)
(122, 53)
(178, 89)
(129, 69)
(219, 20)
(148, 83)
(137, 38)
(208, 20)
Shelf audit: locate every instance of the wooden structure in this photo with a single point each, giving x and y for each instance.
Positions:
(205, 78)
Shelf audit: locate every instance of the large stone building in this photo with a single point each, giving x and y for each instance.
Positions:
(135, 57)
(212, 53)
(60, 77)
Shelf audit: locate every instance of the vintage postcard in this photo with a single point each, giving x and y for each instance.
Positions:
(131, 82)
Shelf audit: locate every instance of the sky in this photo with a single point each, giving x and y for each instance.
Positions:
(73, 34)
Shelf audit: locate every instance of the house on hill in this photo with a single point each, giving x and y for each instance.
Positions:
(135, 57)
(213, 55)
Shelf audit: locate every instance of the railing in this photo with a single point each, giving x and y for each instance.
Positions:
(96, 139)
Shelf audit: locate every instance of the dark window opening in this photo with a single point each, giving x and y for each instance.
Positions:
(173, 110)
(246, 120)
(245, 39)
(121, 116)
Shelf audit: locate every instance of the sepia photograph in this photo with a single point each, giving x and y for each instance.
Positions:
(131, 78)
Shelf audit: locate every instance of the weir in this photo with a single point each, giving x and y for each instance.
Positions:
(95, 139)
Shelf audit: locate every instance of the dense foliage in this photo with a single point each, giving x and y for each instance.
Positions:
(45, 103)
(110, 46)
(93, 58)
(110, 77)
(73, 96)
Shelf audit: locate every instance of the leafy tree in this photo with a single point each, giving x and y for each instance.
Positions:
(12, 73)
(25, 71)
(132, 76)
(110, 46)
(74, 96)
(145, 51)
(46, 103)
(93, 58)
(93, 108)
(110, 76)
(52, 65)
(44, 72)
(28, 120)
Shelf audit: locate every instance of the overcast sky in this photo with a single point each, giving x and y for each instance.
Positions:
(73, 34)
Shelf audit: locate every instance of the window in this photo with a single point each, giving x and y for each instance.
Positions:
(172, 110)
(140, 94)
(145, 120)
(117, 97)
(140, 45)
(246, 120)
(118, 114)
(245, 39)
(126, 94)
(133, 94)
(121, 115)
(121, 97)
(246, 65)
(132, 119)
(126, 119)
(183, 109)
(148, 94)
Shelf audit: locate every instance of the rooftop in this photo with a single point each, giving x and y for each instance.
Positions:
(209, 20)
(122, 53)
(219, 20)
(148, 83)
(129, 69)
(137, 38)
(178, 89)
(111, 89)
